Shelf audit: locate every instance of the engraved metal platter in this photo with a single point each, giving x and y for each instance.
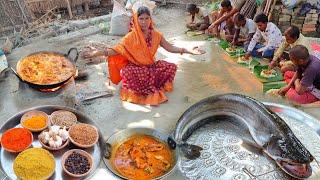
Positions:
(224, 157)
(7, 158)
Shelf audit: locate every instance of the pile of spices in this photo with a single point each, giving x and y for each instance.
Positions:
(35, 122)
(16, 139)
(34, 163)
(83, 134)
(77, 163)
(63, 118)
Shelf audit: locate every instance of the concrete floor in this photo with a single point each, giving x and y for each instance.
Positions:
(197, 77)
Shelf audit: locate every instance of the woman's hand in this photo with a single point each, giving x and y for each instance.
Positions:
(91, 52)
(195, 51)
(284, 90)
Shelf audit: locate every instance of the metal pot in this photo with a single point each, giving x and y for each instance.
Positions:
(121, 136)
(55, 85)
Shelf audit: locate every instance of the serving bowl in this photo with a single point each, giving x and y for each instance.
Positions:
(121, 136)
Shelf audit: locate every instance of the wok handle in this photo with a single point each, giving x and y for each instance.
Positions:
(77, 54)
(16, 74)
(172, 144)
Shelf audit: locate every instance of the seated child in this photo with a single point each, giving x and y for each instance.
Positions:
(223, 20)
(292, 38)
(202, 16)
(245, 29)
(303, 85)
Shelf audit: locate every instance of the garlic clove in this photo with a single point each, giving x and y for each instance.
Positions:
(58, 141)
(65, 135)
(51, 143)
(55, 129)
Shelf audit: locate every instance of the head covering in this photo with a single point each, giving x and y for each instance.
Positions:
(133, 48)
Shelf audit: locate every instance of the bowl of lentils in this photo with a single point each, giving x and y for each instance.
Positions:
(83, 135)
(77, 163)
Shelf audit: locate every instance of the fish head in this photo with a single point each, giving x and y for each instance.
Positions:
(291, 156)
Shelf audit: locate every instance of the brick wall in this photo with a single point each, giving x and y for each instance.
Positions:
(307, 24)
(187, 1)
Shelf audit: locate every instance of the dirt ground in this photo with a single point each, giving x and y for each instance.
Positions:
(197, 77)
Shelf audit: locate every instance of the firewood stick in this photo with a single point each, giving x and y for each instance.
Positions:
(69, 9)
(272, 8)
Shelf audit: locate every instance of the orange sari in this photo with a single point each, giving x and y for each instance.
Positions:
(144, 80)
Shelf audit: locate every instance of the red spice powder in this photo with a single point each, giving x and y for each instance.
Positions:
(16, 139)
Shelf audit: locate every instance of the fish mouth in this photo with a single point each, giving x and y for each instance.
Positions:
(296, 170)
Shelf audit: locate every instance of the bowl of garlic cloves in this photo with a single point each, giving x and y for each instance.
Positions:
(54, 138)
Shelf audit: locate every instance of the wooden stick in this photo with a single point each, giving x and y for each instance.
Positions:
(86, 6)
(8, 16)
(69, 9)
(266, 9)
(272, 8)
(24, 16)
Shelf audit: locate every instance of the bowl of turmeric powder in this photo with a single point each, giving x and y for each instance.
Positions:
(35, 121)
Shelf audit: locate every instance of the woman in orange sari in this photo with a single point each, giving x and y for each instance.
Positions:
(144, 80)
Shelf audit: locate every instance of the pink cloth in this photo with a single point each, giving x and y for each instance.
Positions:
(145, 80)
(288, 75)
(305, 98)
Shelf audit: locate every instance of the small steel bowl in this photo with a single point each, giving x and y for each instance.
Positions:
(119, 137)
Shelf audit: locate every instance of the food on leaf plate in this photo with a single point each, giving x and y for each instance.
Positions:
(273, 92)
(231, 50)
(268, 73)
(242, 60)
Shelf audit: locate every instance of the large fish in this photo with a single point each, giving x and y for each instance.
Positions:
(268, 130)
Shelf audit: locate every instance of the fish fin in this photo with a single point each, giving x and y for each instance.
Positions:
(190, 151)
(318, 164)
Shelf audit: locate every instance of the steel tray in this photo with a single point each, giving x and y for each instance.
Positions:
(8, 158)
(224, 157)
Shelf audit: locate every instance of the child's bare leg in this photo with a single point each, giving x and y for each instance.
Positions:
(289, 67)
(203, 27)
(191, 26)
(230, 26)
(229, 38)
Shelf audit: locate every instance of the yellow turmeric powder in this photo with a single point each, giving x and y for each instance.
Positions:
(35, 122)
(34, 163)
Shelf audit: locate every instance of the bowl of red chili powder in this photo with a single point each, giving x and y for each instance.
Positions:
(16, 140)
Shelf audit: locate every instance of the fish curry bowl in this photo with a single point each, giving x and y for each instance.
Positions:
(140, 153)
